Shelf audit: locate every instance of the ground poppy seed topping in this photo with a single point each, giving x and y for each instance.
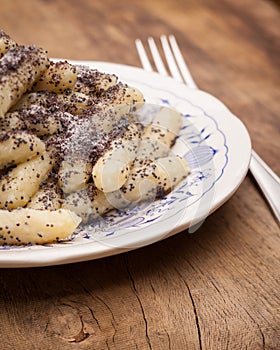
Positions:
(74, 144)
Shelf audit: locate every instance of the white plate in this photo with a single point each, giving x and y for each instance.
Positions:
(215, 143)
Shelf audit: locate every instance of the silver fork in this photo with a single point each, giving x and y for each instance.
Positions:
(267, 180)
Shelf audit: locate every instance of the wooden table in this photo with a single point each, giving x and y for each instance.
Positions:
(215, 289)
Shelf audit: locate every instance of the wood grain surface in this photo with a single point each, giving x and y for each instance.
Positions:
(215, 289)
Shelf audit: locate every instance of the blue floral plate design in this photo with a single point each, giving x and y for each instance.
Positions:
(213, 141)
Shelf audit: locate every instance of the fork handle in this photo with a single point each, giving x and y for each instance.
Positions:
(268, 181)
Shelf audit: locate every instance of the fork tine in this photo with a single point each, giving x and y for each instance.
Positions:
(143, 56)
(181, 63)
(156, 56)
(173, 64)
(170, 59)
